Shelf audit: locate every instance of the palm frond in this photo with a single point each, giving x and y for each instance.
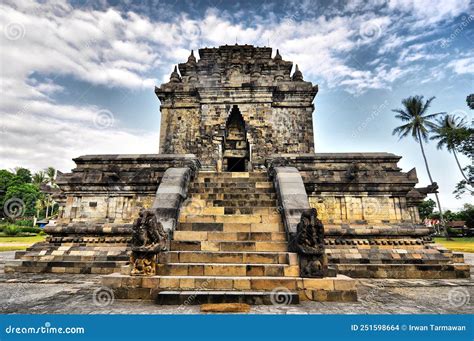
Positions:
(418, 122)
(426, 105)
(403, 130)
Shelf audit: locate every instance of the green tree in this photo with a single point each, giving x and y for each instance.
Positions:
(24, 174)
(467, 214)
(22, 197)
(7, 179)
(426, 208)
(51, 176)
(450, 131)
(470, 101)
(418, 123)
(41, 206)
(39, 178)
(465, 145)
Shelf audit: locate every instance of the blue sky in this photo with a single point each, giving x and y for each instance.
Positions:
(78, 77)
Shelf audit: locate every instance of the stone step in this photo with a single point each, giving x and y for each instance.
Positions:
(231, 227)
(220, 296)
(202, 208)
(229, 236)
(231, 257)
(251, 210)
(227, 270)
(235, 196)
(231, 174)
(234, 218)
(228, 190)
(147, 285)
(177, 245)
(412, 271)
(232, 184)
(221, 180)
(231, 189)
(243, 203)
(73, 267)
(74, 258)
(386, 256)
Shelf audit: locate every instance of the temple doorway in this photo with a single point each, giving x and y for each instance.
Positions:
(236, 148)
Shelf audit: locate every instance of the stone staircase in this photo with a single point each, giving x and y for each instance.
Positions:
(229, 244)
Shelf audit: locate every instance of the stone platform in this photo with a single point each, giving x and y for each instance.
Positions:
(46, 293)
(219, 289)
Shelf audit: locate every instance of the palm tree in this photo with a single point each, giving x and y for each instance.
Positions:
(418, 123)
(445, 133)
(39, 178)
(51, 175)
(51, 179)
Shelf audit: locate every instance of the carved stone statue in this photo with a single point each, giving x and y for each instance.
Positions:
(309, 244)
(148, 239)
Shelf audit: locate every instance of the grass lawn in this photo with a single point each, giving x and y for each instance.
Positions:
(457, 244)
(18, 243)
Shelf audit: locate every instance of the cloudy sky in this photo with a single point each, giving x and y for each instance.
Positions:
(77, 77)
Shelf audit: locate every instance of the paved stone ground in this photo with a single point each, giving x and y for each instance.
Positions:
(74, 294)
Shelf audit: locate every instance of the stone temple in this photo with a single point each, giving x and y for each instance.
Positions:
(237, 204)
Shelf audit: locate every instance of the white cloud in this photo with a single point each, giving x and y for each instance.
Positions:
(90, 46)
(430, 11)
(113, 48)
(463, 65)
(35, 141)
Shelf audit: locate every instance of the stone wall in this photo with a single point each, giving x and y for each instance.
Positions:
(104, 207)
(361, 209)
(113, 188)
(356, 188)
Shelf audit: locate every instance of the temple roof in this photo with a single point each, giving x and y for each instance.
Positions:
(235, 66)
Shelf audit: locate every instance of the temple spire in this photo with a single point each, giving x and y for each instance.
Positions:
(191, 58)
(277, 56)
(175, 78)
(297, 76)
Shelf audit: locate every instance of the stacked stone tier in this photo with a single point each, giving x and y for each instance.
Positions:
(73, 255)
